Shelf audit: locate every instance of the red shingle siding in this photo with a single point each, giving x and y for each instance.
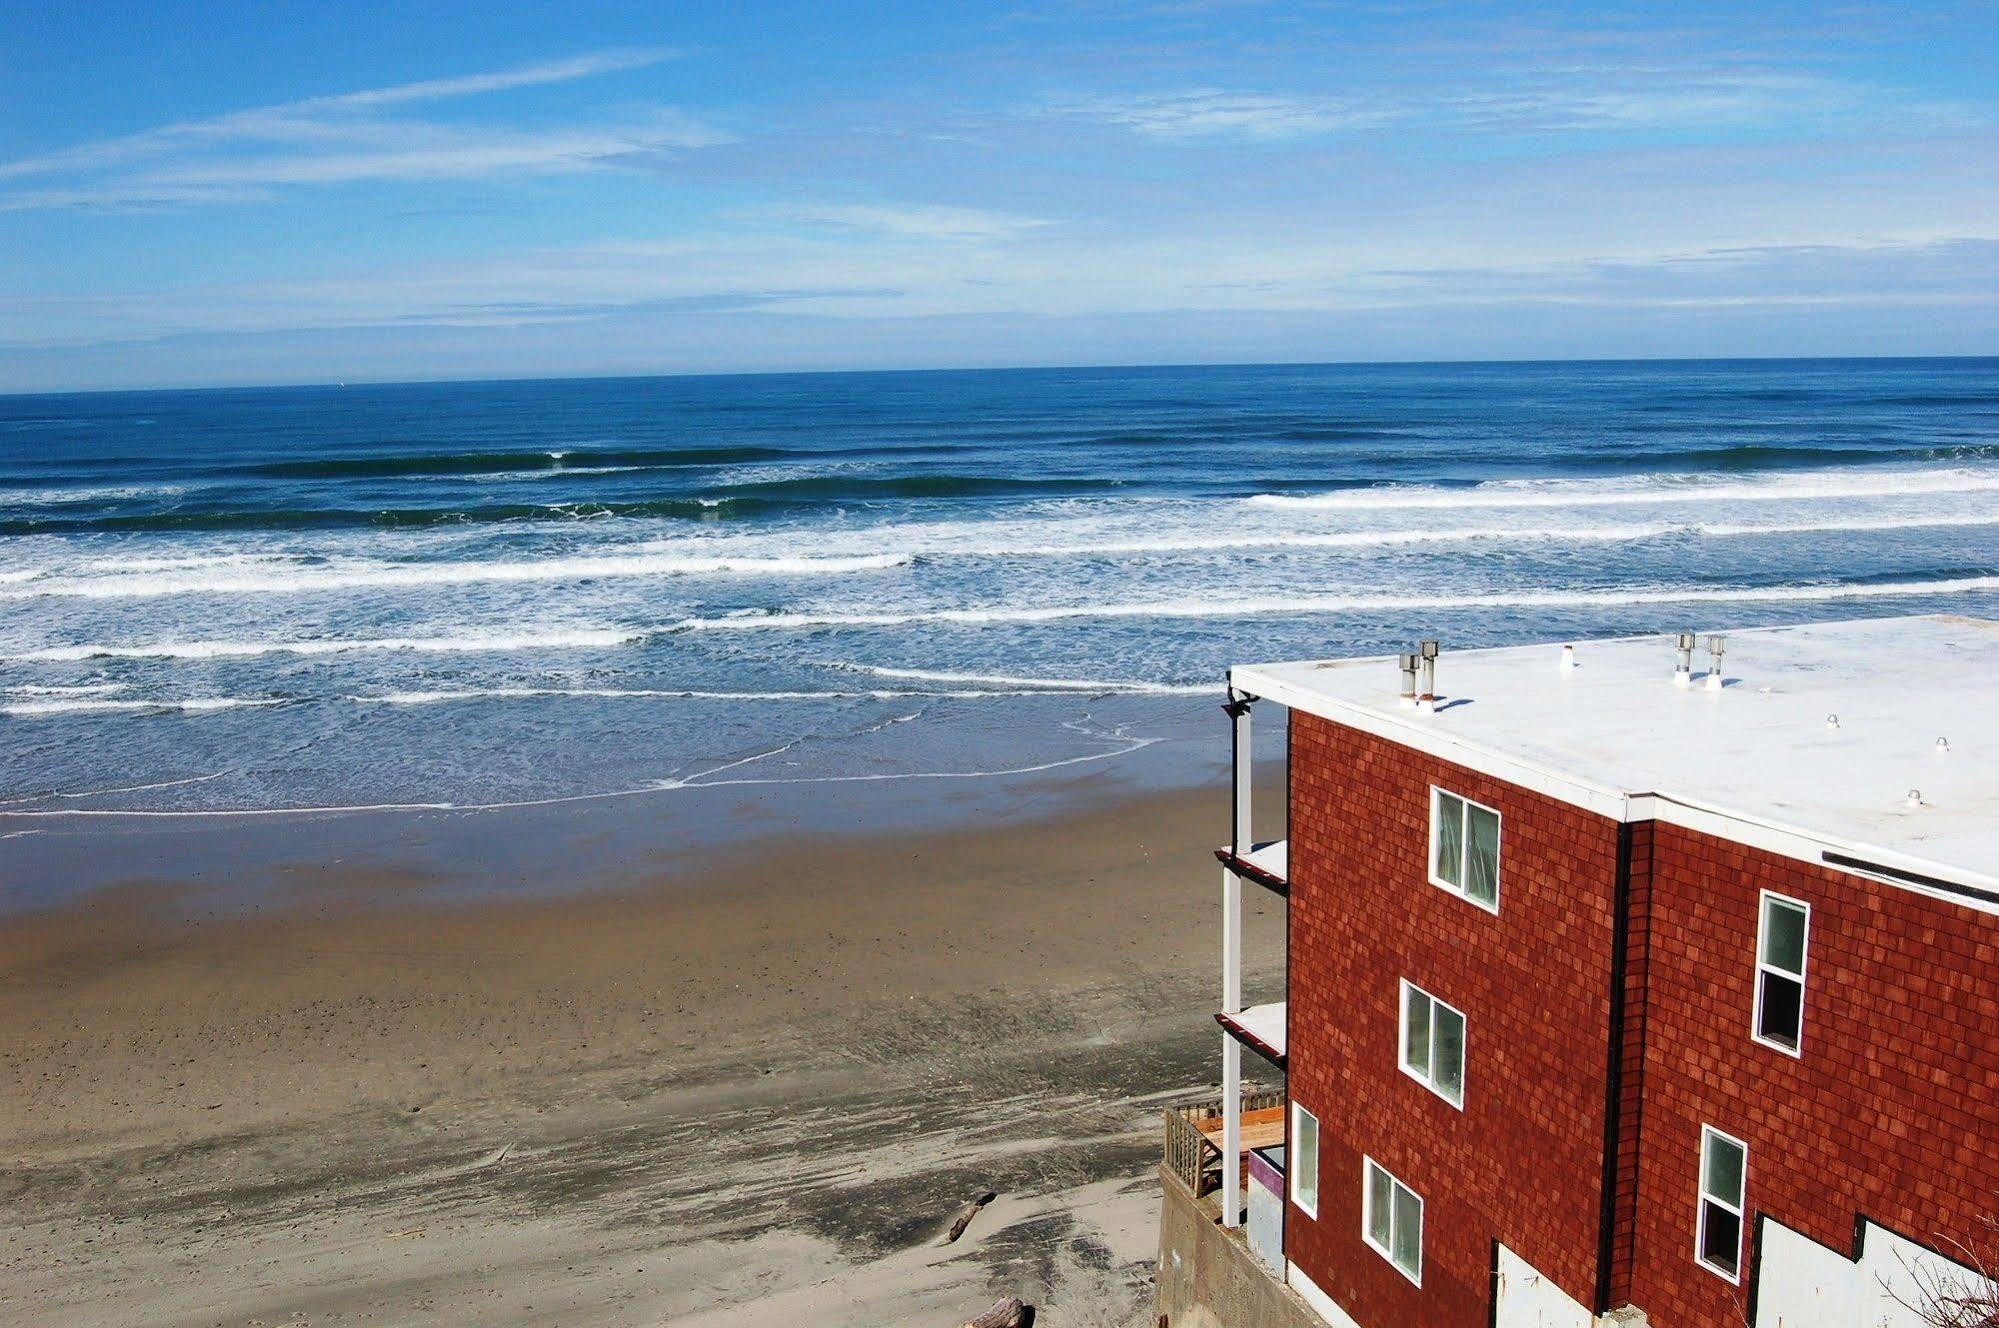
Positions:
(1523, 1162)
(1893, 1110)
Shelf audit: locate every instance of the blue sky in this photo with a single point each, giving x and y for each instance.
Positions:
(258, 193)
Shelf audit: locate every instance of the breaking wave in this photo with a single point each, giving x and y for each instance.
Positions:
(1352, 603)
(357, 576)
(1802, 485)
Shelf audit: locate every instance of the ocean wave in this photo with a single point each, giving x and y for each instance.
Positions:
(66, 495)
(361, 576)
(1364, 539)
(90, 689)
(461, 694)
(1353, 603)
(1798, 486)
(197, 520)
(467, 463)
(1093, 686)
(504, 642)
(715, 502)
(80, 705)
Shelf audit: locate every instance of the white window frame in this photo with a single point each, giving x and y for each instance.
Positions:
(1367, 1166)
(1411, 990)
(1437, 794)
(1295, 1162)
(1739, 1207)
(1763, 902)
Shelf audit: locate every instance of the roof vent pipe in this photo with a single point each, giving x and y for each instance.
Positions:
(1915, 797)
(1407, 661)
(1943, 745)
(1715, 645)
(1832, 721)
(1568, 659)
(1426, 699)
(1683, 672)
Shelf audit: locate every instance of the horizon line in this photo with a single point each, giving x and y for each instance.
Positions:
(339, 384)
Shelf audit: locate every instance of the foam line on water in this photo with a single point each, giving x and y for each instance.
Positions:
(362, 576)
(589, 639)
(447, 695)
(461, 694)
(1309, 604)
(99, 705)
(58, 497)
(90, 689)
(1092, 686)
(1629, 532)
(1598, 493)
(1125, 746)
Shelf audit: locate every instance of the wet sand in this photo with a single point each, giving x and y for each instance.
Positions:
(746, 1091)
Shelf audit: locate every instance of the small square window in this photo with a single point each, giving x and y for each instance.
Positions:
(1392, 1220)
(1723, 1176)
(1464, 848)
(1303, 1160)
(1781, 935)
(1433, 1044)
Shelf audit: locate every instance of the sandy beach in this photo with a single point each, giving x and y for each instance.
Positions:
(744, 1092)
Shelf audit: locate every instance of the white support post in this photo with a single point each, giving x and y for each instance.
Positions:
(1231, 1049)
(1245, 762)
(1231, 1131)
(1231, 942)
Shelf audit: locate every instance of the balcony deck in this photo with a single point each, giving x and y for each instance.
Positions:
(1260, 1028)
(1268, 864)
(1194, 1136)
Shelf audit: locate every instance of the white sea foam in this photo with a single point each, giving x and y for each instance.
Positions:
(92, 689)
(582, 639)
(86, 494)
(1093, 686)
(444, 696)
(1357, 602)
(371, 575)
(1798, 486)
(77, 705)
(1578, 534)
(465, 694)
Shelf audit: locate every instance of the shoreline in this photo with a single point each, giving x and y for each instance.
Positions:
(813, 1053)
(253, 859)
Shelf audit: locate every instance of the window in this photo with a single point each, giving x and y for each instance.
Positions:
(1780, 972)
(1391, 1220)
(1303, 1160)
(1718, 1240)
(1464, 848)
(1433, 1044)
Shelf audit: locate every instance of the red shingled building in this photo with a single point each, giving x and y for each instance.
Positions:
(1619, 989)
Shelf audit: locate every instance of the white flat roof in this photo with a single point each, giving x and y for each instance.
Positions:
(1755, 760)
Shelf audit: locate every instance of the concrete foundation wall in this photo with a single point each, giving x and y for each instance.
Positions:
(1207, 1278)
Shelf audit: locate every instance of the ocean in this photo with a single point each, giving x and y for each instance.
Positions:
(489, 594)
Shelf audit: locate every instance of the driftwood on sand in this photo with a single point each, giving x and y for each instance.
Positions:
(1007, 1313)
(966, 1214)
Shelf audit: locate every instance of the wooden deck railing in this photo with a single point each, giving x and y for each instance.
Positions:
(1189, 1154)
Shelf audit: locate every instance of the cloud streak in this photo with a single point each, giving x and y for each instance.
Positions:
(1638, 98)
(343, 139)
(1219, 113)
(915, 221)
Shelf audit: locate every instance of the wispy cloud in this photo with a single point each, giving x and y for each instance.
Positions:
(915, 221)
(1652, 97)
(1219, 113)
(344, 138)
(1531, 99)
